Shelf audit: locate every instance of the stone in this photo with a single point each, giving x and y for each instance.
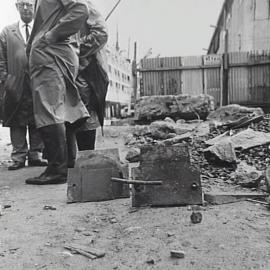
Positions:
(196, 217)
(267, 179)
(232, 112)
(169, 120)
(133, 155)
(182, 106)
(221, 152)
(247, 176)
(162, 130)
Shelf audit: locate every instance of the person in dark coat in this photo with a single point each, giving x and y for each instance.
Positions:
(17, 108)
(53, 60)
(92, 81)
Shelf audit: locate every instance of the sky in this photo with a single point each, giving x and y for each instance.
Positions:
(166, 27)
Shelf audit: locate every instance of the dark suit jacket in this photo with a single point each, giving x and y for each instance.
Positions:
(17, 100)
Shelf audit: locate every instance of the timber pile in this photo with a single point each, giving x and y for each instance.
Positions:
(186, 107)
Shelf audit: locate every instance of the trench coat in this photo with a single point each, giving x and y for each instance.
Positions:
(17, 108)
(93, 78)
(53, 61)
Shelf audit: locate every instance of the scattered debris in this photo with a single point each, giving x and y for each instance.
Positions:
(170, 234)
(86, 251)
(178, 254)
(49, 207)
(196, 217)
(150, 261)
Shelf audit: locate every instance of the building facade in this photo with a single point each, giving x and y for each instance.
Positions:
(120, 88)
(246, 24)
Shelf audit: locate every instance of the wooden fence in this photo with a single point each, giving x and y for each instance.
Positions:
(241, 77)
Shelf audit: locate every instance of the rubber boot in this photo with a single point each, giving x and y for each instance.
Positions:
(54, 138)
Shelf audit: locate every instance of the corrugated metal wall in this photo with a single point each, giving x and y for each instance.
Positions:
(249, 76)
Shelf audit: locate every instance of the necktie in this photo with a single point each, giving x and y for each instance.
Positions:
(27, 34)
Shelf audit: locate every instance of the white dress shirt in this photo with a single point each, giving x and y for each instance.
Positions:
(22, 29)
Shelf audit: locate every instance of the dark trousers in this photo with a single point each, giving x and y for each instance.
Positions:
(83, 140)
(21, 149)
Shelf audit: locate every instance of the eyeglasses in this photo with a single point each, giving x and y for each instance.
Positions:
(25, 5)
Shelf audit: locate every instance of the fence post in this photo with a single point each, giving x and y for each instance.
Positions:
(225, 77)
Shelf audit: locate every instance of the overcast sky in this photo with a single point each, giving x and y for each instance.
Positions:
(169, 27)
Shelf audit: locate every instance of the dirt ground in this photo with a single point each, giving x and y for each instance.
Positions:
(232, 236)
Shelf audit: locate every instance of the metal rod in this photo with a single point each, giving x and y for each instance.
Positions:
(110, 13)
(136, 182)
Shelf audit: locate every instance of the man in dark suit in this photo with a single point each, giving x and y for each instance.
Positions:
(17, 107)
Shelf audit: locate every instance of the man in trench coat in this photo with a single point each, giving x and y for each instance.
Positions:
(17, 108)
(92, 81)
(54, 65)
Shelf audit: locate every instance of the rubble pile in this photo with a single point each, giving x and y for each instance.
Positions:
(256, 159)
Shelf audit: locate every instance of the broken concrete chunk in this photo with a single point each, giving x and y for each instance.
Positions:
(162, 130)
(169, 120)
(247, 176)
(250, 138)
(221, 152)
(233, 112)
(180, 106)
(177, 139)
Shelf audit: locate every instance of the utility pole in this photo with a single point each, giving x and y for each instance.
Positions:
(134, 72)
